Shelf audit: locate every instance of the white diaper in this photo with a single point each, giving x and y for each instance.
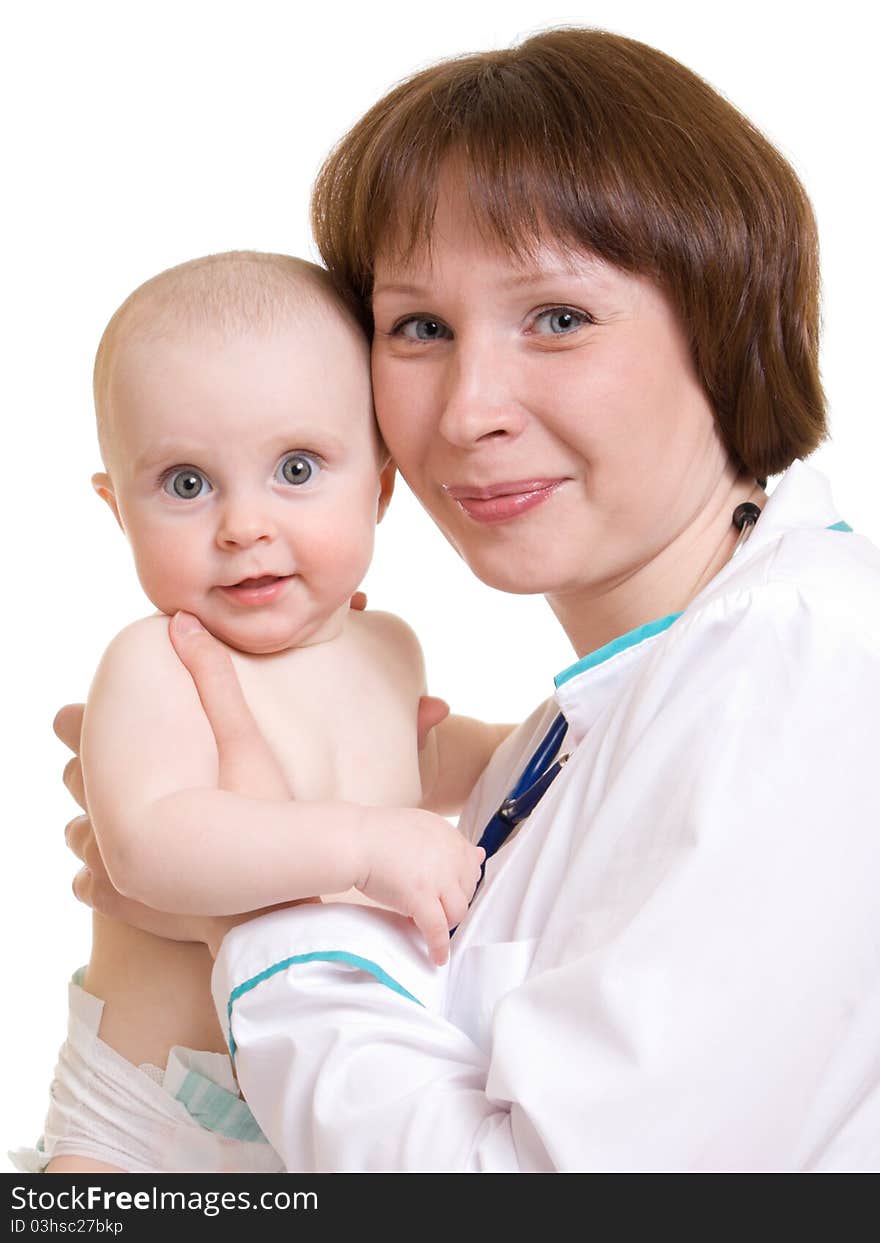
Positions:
(189, 1118)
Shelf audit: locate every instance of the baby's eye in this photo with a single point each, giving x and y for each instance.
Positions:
(421, 328)
(296, 468)
(559, 321)
(186, 483)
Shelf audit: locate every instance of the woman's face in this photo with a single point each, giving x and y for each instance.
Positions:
(546, 412)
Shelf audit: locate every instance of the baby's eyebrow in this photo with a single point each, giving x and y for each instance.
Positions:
(159, 455)
(315, 437)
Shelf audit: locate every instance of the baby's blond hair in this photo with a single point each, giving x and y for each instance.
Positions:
(223, 293)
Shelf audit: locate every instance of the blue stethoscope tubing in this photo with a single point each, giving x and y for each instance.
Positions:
(538, 775)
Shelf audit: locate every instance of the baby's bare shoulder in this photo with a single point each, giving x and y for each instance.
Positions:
(144, 727)
(390, 631)
(390, 639)
(142, 643)
(140, 661)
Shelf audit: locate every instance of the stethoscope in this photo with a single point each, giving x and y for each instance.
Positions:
(537, 777)
(546, 763)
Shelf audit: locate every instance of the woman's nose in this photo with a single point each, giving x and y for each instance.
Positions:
(244, 522)
(478, 401)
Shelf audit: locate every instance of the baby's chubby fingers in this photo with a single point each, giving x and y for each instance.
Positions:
(471, 876)
(430, 919)
(455, 905)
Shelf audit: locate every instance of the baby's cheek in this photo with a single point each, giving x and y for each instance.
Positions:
(345, 554)
(166, 574)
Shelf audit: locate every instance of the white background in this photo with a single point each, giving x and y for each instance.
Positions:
(142, 134)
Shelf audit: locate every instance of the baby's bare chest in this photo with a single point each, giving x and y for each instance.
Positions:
(341, 723)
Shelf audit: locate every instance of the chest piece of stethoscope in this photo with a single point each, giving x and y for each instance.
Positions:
(744, 518)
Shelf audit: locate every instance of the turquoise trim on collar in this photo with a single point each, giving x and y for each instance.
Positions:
(353, 960)
(636, 636)
(630, 639)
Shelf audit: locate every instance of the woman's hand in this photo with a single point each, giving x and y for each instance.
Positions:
(246, 763)
(68, 727)
(431, 712)
(93, 886)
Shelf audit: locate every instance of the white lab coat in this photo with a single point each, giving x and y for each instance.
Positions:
(674, 964)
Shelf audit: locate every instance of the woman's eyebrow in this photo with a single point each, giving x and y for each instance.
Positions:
(538, 276)
(519, 279)
(409, 291)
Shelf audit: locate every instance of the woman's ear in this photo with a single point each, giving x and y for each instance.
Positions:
(386, 486)
(103, 485)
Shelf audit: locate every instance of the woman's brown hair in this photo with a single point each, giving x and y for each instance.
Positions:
(606, 145)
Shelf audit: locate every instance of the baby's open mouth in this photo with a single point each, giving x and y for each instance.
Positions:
(262, 590)
(260, 582)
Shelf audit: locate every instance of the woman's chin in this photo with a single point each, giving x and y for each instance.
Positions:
(513, 577)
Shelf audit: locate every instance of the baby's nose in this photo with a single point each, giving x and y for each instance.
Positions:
(244, 523)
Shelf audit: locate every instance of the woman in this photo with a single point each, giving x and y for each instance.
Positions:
(593, 292)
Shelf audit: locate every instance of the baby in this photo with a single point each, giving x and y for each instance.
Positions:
(244, 465)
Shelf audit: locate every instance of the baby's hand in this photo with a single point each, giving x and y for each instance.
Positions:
(416, 863)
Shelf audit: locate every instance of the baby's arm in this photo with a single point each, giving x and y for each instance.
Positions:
(173, 840)
(454, 752)
(453, 758)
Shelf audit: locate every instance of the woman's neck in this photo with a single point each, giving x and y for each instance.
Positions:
(667, 582)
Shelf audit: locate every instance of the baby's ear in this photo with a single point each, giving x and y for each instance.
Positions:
(386, 486)
(103, 485)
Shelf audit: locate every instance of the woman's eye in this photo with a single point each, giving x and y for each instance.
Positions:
(421, 328)
(186, 483)
(560, 320)
(296, 468)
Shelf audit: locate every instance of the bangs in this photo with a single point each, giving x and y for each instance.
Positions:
(526, 143)
(598, 144)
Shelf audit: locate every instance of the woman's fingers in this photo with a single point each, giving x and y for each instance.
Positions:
(76, 834)
(82, 887)
(246, 762)
(93, 889)
(68, 725)
(212, 671)
(431, 712)
(73, 779)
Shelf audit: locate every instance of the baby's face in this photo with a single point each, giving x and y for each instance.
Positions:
(247, 475)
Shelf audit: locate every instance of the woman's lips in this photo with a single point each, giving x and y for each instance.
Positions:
(502, 501)
(255, 591)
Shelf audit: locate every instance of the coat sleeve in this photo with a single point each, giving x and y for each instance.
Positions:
(334, 1017)
(698, 997)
